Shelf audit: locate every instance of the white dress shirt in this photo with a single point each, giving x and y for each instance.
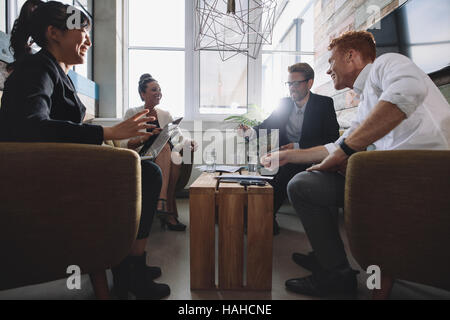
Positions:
(294, 126)
(396, 79)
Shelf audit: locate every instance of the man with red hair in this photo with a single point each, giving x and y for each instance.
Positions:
(400, 109)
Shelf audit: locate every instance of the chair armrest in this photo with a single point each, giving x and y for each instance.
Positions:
(397, 213)
(65, 204)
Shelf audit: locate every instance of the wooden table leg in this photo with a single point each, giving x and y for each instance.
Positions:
(202, 241)
(231, 240)
(260, 240)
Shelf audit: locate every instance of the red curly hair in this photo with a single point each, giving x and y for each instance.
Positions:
(361, 41)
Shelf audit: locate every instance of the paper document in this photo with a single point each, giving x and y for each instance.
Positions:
(238, 177)
(227, 169)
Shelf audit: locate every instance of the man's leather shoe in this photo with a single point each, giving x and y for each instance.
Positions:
(323, 284)
(309, 261)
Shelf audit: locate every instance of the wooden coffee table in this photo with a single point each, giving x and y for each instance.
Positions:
(230, 201)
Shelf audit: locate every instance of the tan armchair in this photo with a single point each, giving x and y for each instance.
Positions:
(63, 205)
(397, 212)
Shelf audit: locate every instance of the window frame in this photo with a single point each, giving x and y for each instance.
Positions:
(126, 55)
(192, 64)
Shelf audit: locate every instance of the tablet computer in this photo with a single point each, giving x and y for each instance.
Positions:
(151, 150)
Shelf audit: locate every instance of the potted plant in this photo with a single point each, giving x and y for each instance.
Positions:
(252, 118)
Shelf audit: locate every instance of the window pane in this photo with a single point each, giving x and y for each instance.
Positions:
(3, 15)
(285, 21)
(165, 66)
(223, 85)
(289, 42)
(307, 31)
(275, 74)
(150, 26)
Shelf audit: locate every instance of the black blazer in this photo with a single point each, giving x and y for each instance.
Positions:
(320, 125)
(40, 104)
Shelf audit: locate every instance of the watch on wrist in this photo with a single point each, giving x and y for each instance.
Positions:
(347, 150)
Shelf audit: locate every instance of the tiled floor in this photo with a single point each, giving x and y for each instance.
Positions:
(170, 251)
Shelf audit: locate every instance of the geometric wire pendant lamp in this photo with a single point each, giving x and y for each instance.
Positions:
(234, 27)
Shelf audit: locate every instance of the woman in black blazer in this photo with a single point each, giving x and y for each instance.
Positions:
(40, 104)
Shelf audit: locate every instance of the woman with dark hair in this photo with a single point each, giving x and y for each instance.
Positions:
(150, 93)
(40, 104)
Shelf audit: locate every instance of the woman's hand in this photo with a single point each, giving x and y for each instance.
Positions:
(135, 143)
(194, 146)
(130, 128)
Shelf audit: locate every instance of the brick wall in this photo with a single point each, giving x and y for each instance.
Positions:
(332, 18)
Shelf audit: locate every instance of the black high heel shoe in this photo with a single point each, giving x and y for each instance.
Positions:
(178, 227)
(165, 216)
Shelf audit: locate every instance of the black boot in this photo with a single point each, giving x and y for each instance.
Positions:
(133, 275)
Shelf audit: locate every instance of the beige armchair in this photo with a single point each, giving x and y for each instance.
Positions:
(64, 205)
(397, 211)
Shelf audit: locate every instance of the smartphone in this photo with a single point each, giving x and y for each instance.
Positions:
(256, 183)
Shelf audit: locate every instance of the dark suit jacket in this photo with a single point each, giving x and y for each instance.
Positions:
(320, 125)
(40, 104)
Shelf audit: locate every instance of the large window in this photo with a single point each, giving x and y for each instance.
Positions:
(293, 42)
(199, 85)
(223, 85)
(156, 45)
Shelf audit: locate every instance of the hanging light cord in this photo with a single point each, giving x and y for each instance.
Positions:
(231, 7)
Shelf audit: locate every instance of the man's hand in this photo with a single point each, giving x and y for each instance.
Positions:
(273, 161)
(335, 162)
(243, 130)
(287, 147)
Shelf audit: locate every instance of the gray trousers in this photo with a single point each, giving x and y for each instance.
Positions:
(316, 196)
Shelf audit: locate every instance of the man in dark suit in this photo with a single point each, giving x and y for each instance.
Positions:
(304, 121)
